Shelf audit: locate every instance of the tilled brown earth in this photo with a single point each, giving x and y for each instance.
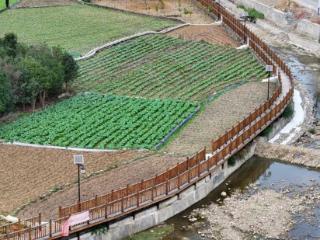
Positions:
(209, 33)
(27, 173)
(132, 172)
(219, 116)
(185, 10)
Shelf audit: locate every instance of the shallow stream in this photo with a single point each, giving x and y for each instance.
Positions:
(260, 174)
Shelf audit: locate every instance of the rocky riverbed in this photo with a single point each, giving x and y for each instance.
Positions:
(264, 200)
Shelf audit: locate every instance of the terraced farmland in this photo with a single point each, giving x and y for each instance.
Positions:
(77, 28)
(159, 66)
(100, 121)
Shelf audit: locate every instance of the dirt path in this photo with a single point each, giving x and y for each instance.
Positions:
(209, 33)
(185, 10)
(115, 179)
(218, 116)
(27, 173)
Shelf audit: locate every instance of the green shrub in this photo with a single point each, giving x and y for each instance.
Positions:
(231, 161)
(252, 12)
(266, 132)
(288, 112)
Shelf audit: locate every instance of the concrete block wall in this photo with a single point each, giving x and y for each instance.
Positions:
(305, 27)
(275, 15)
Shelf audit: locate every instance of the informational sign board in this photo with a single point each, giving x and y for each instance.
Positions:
(78, 160)
(269, 68)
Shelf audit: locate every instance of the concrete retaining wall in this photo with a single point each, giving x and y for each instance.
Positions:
(280, 18)
(163, 211)
(305, 27)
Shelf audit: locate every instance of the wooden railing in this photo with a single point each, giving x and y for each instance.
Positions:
(132, 198)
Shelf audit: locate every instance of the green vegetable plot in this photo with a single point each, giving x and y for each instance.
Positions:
(100, 121)
(158, 66)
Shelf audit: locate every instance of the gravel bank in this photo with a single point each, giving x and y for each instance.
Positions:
(257, 214)
(296, 155)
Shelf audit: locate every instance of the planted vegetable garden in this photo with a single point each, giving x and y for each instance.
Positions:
(100, 121)
(159, 66)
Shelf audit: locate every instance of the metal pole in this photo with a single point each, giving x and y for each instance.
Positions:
(269, 85)
(79, 196)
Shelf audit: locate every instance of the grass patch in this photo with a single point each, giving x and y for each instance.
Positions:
(156, 233)
(288, 111)
(77, 28)
(3, 3)
(97, 121)
(252, 12)
(267, 131)
(158, 66)
(231, 161)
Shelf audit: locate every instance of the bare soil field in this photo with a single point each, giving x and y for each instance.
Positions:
(209, 33)
(44, 3)
(219, 116)
(130, 173)
(28, 173)
(185, 10)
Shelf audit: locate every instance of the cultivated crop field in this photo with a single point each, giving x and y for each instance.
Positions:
(100, 121)
(159, 66)
(77, 28)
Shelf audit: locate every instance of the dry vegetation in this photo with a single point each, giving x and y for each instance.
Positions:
(209, 33)
(184, 10)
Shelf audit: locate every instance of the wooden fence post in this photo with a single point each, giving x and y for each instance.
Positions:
(60, 212)
(50, 228)
(167, 182)
(153, 187)
(178, 174)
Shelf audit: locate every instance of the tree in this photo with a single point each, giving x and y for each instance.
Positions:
(53, 70)
(70, 70)
(7, 4)
(5, 93)
(10, 43)
(33, 73)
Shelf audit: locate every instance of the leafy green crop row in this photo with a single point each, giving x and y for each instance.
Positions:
(100, 121)
(158, 66)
